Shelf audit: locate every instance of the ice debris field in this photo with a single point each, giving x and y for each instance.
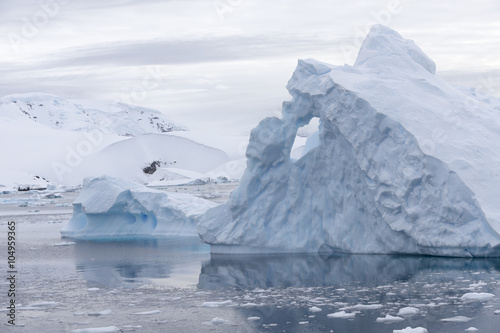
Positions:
(276, 294)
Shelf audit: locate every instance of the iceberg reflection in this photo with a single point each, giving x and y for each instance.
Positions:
(129, 262)
(297, 293)
(265, 271)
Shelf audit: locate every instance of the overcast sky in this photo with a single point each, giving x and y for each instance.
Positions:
(224, 64)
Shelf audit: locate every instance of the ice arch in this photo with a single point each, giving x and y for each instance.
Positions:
(367, 187)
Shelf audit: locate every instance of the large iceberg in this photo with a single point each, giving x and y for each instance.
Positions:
(403, 162)
(110, 207)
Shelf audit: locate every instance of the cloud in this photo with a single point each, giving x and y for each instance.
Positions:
(217, 49)
(100, 49)
(484, 82)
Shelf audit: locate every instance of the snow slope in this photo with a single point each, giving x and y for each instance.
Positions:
(403, 163)
(47, 139)
(110, 207)
(86, 115)
(129, 158)
(29, 149)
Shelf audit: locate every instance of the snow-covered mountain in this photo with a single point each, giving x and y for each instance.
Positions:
(49, 140)
(404, 162)
(86, 115)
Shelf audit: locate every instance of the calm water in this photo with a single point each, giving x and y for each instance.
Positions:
(172, 278)
(281, 290)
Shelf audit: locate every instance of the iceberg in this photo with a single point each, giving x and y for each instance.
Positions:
(403, 162)
(110, 207)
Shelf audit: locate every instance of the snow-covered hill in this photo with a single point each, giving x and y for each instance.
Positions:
(148, 157)
(48, 140)
(86, 115)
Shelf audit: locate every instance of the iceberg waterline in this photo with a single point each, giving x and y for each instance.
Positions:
(372, 183)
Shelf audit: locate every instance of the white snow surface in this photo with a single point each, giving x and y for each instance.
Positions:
(50, 140)
(110, 207)
(86, 115)
(39, 156)
(128, 158)
(404, 162)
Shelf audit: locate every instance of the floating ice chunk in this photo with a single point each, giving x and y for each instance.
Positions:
(408, 311)
(471, 329)
(253, 318)
(64, 244)
(93, 289)
(107, 329)
(411, 330)
(389, 319)
(145, 313)
(64, 205)
(433, 305)
(43, 303)
(106, 312)
(109, 207)
(477, 297)
(218, 321)
(303, 322)
(216, 304)
(248, 305)
(477, 285)
(497, 312)
(457, 319)
(342, 315)
(314, 309)
(363, 307)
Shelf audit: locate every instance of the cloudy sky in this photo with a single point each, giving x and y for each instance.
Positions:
(223, 65)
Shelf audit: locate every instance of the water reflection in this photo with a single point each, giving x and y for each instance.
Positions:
(171, 261)
(279, 291)
(238, 271)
